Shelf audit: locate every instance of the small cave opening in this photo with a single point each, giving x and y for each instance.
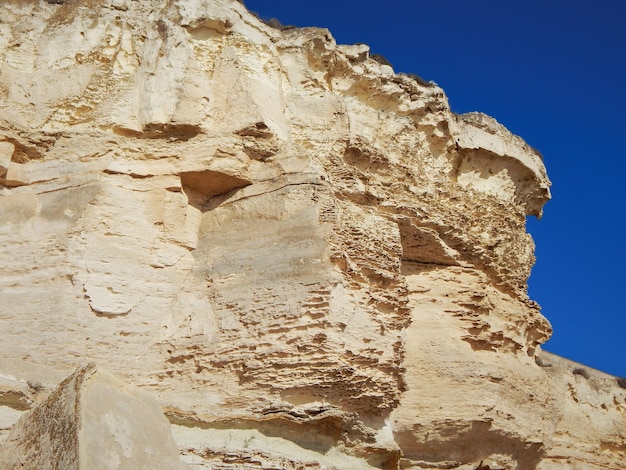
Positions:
(424, 245)
(202, 186)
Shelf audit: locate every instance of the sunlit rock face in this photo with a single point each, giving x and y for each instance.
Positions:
(306, 258)
(92, 421)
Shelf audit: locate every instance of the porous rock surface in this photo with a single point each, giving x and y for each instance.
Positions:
(309, 260)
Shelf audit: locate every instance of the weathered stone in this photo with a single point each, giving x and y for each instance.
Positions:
(280, 238)
(92, 421)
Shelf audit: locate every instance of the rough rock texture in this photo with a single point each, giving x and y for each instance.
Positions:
(308, 259)
(92, 421)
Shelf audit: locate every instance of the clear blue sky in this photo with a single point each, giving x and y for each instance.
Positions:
(552, 71)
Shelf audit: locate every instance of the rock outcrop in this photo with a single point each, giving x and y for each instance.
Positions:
(92, 421)
(309, 260)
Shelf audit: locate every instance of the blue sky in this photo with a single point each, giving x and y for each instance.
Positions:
(553, 72)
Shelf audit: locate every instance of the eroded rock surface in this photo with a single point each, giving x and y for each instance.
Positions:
(92, 421)
(278, 237)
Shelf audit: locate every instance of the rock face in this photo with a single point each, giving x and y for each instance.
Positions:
(92, 421)
(308, 259)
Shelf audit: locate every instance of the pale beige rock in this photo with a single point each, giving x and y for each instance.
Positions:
(6, 153)
(8, 417)
(280, 238)
(92, 421)
(16, 396)
(519, 171)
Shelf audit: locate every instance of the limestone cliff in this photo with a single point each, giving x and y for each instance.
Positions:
(309, 260)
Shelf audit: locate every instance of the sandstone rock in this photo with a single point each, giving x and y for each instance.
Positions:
(281, 239)
(16, 396)
(92, 421)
